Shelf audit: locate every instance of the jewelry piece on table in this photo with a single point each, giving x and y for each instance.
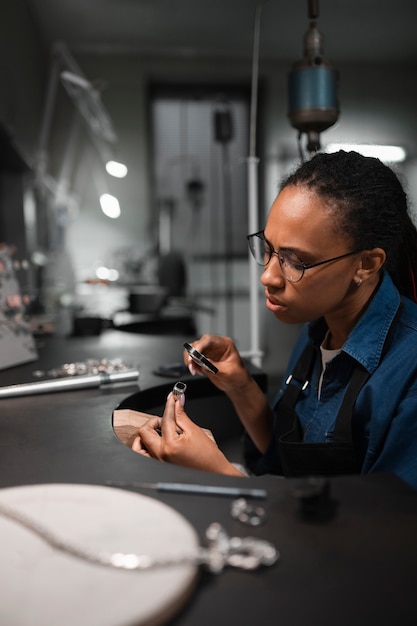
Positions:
(247, 553)
(248, 513)
(83, 368)
(179, 390)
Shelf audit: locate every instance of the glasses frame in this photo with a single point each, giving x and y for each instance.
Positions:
(303, 266)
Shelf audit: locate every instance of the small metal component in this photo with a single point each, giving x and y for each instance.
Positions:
(179, 389)
(247, 513)
(305, 385)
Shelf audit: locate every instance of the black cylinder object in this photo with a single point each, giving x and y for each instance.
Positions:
(223, 126)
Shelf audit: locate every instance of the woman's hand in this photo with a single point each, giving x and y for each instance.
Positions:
(249, 401)
(221, 351)
(176, 439)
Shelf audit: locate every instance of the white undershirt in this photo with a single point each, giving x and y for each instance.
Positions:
(326, 357)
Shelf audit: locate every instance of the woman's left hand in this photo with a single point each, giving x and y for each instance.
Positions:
(175, 438)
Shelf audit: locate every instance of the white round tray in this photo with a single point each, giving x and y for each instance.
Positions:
(43, 586)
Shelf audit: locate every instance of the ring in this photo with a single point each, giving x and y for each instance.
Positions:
(179, 389)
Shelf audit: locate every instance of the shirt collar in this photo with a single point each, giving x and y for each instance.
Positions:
(366, 341)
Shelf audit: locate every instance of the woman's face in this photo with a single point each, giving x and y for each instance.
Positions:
(300, 221)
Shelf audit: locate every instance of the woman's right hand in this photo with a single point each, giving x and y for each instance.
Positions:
(222, 352)
(249, 401)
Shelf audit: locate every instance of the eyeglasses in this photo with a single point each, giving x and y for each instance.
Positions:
(292, 266)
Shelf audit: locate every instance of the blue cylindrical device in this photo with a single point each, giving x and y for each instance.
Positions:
(313, 97)
(312, 90)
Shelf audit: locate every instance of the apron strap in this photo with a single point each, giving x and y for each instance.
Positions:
(343, 424)
(296, 383)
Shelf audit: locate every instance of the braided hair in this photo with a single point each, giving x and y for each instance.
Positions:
(370, 207)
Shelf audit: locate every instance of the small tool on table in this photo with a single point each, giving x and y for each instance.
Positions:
(211, 490)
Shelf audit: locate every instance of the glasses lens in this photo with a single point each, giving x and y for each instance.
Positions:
(291, 266)
(260, 249)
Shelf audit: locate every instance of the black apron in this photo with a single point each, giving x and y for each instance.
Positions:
(313, 459)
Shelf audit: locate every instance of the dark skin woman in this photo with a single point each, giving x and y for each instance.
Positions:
(339, 254)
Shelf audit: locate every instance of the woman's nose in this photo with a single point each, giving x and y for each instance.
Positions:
(272, 274)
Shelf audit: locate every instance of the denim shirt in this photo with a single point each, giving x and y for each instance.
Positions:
(384, 419)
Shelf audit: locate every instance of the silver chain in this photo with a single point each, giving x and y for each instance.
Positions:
(247, 553)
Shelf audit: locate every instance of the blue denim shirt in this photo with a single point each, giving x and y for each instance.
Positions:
(384, 419)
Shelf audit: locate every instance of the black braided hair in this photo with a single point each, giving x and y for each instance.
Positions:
(370, 206)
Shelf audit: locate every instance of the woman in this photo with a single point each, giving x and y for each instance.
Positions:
(339, 252)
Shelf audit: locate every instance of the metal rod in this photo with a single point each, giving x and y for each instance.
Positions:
(68, 384)
(253, 218)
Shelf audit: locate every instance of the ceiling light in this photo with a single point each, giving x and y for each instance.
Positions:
(114, 168)
(387, 154)
(107, 273)
(110, 205)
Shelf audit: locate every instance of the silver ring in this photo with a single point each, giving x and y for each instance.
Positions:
(179, 389)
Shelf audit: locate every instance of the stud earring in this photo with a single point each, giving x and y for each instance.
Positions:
(359, 283)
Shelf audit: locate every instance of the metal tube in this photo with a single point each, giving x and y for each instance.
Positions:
(68, 384)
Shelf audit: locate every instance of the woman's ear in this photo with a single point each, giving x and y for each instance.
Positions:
(371, 263)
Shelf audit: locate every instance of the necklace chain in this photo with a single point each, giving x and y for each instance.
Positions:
(247, 553)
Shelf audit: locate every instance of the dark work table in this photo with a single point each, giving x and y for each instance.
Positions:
(357, 565)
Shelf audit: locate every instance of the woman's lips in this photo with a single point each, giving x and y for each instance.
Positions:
(274, 305)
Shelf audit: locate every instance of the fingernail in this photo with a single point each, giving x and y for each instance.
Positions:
(182, 399)
(169, 395)
(192, 369)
